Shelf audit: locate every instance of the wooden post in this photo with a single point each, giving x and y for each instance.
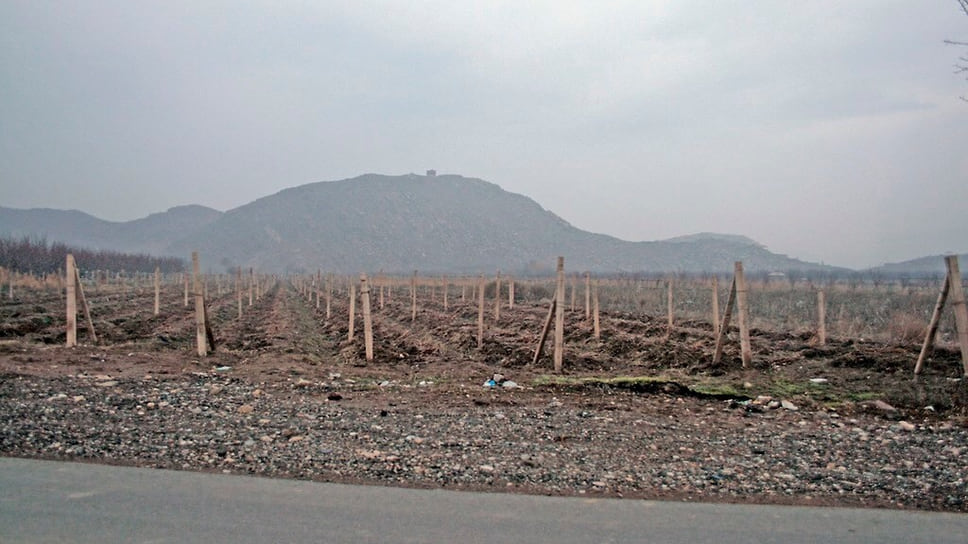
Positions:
(383, 282)
(595, 313)
(84, 306)
(669, 305)
(445, 292)
(933, 325)
(724, 324)
(588, 296)
(352, 328)
(497, 297)
(329, 295)
(238, 289)
(185, 278)
(71, 277)
(961, 312)
(251, 285)
(463, 292)
(319, 287)
(715, 305)
(157, 290)
(367, 318)
(200, 338)
(544, 332)
(560, 315)
(413, 297)
(510, 293)
(480, 313)
(743, 317)
(821, 318)
(574, 288)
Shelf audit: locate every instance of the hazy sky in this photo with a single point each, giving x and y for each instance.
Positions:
(828, 130)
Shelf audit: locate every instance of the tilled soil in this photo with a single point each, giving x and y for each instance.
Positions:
(285, 395)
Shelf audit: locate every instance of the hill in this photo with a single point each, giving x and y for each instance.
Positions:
(152, 235)
(444, 223)
(923, 267)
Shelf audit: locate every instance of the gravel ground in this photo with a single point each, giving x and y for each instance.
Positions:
(545, 441)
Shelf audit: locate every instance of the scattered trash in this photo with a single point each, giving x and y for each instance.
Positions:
(818, 380)
(222, 368)
(500, 380)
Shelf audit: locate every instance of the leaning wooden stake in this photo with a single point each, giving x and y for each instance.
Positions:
(367, 319)
(724, 324)
(746, 351)
(544, 332)
(84, 306)
(961, 312)
(71, 302)
(157, 290)
(200, 338)
(933, 325)
(560, 315)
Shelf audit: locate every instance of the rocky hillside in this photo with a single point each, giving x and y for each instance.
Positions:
(397, 224)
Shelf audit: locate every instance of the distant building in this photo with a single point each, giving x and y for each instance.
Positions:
(431, 173)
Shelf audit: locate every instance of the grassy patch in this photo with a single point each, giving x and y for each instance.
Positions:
(717, 390)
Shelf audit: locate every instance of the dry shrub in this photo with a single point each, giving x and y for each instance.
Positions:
(906, 328)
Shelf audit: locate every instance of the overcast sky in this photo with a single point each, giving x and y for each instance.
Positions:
(827, 130)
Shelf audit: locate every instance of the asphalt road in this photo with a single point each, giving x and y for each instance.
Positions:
(42, 501)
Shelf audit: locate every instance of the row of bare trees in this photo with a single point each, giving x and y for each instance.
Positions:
(40, 257)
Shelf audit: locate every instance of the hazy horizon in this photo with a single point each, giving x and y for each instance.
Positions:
(831, 132)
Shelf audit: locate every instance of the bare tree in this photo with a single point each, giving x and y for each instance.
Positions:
(961, 67)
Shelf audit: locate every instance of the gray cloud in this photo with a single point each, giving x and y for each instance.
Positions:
(828, 130)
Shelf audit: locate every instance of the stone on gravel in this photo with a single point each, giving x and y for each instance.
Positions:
(788, 405)
(881, 406)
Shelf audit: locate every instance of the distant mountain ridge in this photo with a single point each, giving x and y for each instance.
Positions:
(921, 267)
(445, 223)
(152, 235)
